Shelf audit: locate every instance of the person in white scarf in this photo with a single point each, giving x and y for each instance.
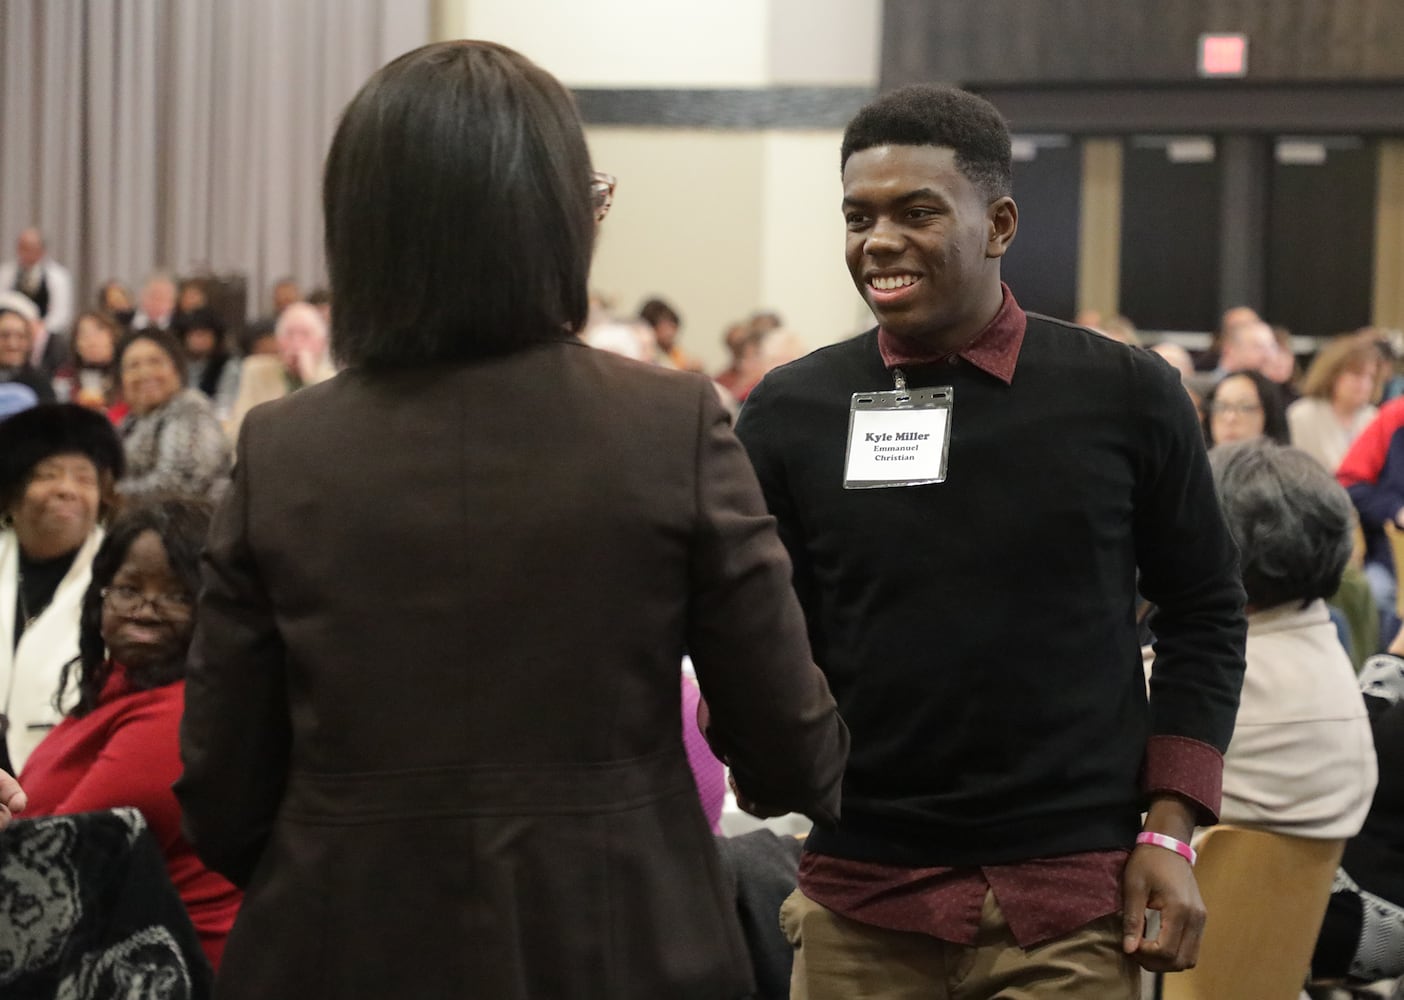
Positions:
(58, 464)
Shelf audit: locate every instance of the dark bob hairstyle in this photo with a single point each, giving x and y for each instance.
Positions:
(459, 221)
(181, 523)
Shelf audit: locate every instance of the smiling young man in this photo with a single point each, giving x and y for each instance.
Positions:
(969, 494)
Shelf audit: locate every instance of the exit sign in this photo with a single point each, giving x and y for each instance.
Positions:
(1223, 55)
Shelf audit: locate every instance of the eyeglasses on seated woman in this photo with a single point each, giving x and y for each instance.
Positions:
(120, 743)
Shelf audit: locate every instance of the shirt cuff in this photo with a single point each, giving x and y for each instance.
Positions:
(1189, 769)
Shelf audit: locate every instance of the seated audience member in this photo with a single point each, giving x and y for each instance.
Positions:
(304, 358)
(780, 347)
(320, 299)
(17, 319)
(192, 295)
(1362, 936)
(173, 441)
(1342, 385)
(627, 339)
(1243, 406)
(1282, 366)
(115, 300)
(1248, 345)
(733, 338)
(158, 303)
(1373, 474)
(1120, 329)
(744, 342)
(120, 744)
(258, 338)
(209, 366)
(1180, 359)
(765, 320)
(666, 324)
(12, 799)
(285, 293)
(1176, 357)
(1301, 760)
(58, 464)
(1237, 316)
(45, 282)
(89, 376)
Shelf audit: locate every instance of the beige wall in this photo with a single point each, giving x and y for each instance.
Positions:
(627, 43)
(720, 222)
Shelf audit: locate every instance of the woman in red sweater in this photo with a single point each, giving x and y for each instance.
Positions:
(120, 745)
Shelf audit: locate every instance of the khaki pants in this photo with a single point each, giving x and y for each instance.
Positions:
(841, 959)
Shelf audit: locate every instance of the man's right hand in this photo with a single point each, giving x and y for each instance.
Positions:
(750, 807)
(12, 799)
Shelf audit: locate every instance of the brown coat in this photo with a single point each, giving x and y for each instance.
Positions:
(432, 710)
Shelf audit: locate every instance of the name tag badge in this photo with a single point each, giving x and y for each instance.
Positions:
(898, 438)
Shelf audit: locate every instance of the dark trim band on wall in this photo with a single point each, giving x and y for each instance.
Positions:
(1334, 109)
(749, 109)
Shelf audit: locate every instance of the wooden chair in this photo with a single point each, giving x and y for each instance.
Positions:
(1396, 547)
(1266, 894)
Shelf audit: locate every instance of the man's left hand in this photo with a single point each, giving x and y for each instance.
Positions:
(1161, 880)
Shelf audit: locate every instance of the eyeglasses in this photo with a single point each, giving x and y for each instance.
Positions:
(128, 601)
(602, 193)
(1240, 409)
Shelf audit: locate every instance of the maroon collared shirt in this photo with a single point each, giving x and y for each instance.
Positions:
(1042, 898)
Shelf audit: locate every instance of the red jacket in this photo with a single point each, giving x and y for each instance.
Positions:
(1373, 474)
(126, 752)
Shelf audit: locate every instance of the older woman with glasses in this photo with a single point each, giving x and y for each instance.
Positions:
(432, 711)
(119, 744)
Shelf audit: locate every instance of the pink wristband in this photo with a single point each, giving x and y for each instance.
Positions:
(1169, 843)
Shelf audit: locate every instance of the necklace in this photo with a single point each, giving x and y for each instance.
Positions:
(24, 615)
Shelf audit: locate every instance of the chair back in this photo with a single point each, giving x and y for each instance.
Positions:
(1396, 548)
(1266, 894)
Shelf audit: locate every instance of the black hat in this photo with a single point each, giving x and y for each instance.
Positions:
(31, 436)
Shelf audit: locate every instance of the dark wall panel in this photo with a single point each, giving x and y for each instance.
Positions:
(1041, 266)
(992, 42)
(1169, 239)
(1321, 240)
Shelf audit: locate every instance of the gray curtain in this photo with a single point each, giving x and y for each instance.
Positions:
(184, 134)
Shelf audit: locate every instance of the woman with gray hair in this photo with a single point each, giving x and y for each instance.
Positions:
(1302, 760)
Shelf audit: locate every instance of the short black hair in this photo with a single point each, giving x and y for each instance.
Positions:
(203, 318)
(459, 218)
(655, 310)
(163, 339)
(1269, 395)
(181, 522)
(924, 114)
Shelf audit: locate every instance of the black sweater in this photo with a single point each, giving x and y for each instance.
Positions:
(980, 634)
